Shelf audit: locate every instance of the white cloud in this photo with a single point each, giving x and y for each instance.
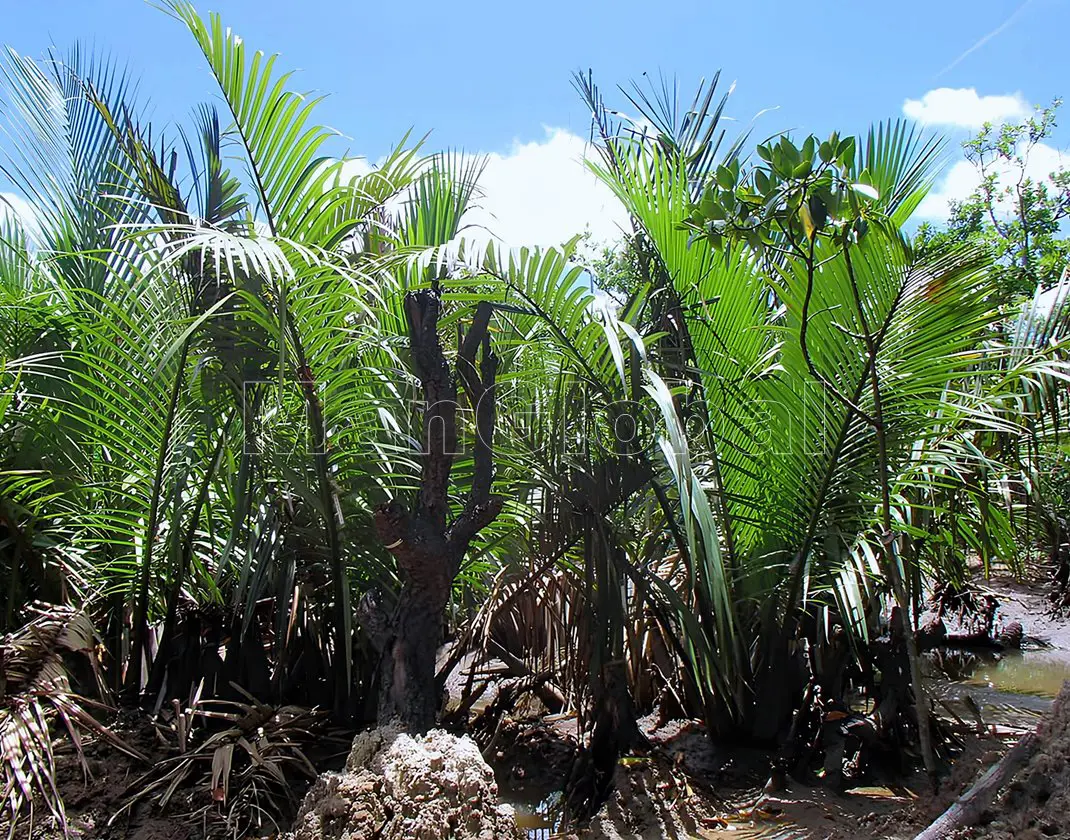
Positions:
(356, 167)
(12, 205)
(964, 108)
(350, 168)
(963, 178)
(958, 184)
(540, 193)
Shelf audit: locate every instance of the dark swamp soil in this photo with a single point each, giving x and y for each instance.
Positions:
(685, 787)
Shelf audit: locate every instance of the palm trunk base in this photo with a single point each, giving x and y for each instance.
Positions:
(408, 692)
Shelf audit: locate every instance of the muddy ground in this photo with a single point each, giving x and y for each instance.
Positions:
(689, 788)
(686, 787)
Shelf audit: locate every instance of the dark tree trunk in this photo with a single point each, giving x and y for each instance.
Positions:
(408, 689)
(614, 733)
(427, 547)
(1059, 556)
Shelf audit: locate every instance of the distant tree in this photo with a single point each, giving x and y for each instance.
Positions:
(616, 268)
(1015, 217)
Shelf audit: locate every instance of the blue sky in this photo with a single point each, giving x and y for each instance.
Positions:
(495, 77)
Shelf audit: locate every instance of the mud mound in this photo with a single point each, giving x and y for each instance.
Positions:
(396, 786)
(1036, 803)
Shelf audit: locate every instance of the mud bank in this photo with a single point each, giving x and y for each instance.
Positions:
(1036, 803)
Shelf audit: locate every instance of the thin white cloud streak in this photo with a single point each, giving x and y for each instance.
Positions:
(986, 38)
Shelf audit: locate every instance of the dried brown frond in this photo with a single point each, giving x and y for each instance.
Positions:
(235, 765)
(35, 690)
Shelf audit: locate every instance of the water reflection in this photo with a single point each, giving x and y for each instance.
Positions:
(540, 819)
(1037, 673)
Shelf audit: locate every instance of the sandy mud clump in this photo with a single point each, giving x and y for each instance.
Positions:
(396, 786)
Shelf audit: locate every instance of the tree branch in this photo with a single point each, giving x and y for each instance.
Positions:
(440, 414)
(481, 508)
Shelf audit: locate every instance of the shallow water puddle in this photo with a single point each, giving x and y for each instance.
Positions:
(1011, 688)
(879, 793)
(1037, 672)
(751, 830)
(538, 820)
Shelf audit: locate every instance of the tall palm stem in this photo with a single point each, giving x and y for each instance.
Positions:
(141, 607)
(891, 563)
